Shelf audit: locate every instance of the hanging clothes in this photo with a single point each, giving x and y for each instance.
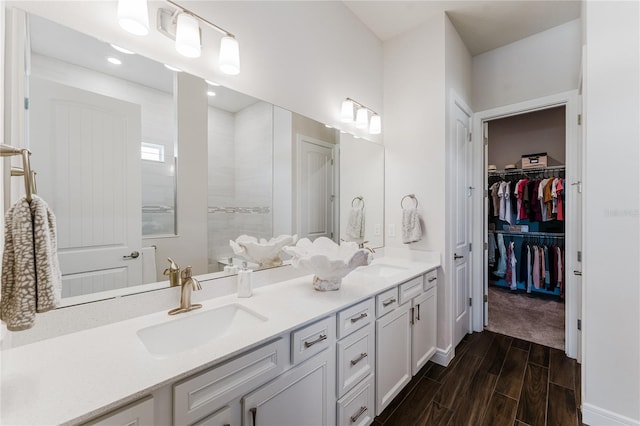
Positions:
(502, 259)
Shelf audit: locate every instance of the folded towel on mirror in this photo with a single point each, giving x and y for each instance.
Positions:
(411, 231)
(31, 278)
(355, 224)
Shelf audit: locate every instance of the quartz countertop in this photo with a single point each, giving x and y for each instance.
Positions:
(78, 376)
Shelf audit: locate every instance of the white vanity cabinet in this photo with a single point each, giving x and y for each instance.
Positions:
(405, 336)
(304, 395)
(139, 413)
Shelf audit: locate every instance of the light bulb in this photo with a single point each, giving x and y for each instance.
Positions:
(346, 116)
(188, 36)
(362, 118)
(375, 126)
(133, 16)
(229, 60)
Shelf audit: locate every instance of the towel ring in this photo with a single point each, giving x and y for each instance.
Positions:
(412, 196)
(361, 202)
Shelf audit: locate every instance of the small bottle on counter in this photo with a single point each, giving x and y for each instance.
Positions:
(244, 281)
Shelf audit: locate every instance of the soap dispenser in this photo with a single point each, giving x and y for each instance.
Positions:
(244, 281)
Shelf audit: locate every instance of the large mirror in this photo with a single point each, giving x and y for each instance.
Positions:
(107, 142)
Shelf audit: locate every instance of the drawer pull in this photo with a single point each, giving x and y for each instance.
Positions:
(254, 414)
(356, 416)
(418, 312)
(389, 301)
(318, 340)
(362, 315)
(412, 312)
(362, 356)
(432, 279)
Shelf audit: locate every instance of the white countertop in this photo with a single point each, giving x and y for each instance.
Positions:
(78, 376)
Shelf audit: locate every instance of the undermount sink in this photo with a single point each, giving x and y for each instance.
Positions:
(196, 329)
(382, 270)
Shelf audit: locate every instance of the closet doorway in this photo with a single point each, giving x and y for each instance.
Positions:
(526, 226)
(535, 298)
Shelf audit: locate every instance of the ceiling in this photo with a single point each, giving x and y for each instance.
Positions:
(483, 25)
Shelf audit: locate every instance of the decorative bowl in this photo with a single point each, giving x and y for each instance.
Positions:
(266, 253)
(329, 261)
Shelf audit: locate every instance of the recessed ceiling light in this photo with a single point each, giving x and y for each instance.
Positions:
(172, 68)
(114, 61)
(211, 93)
(122, 49)
(212, 83)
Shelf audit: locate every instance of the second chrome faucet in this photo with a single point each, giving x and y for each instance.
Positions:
(188, 284)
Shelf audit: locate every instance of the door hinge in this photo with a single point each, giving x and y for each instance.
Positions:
(580, 324)
(579, 119)
(486, 193)
(579, 256)
(470, 245)
(332, 161)
(332, 235)
(332, 198)
(26, 103)
(470, 137)
(470, 301)
(485, 131)
(485, 298)
(486, 246)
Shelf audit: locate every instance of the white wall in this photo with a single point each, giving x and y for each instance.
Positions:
(542, 64)
(290, 55)
(611, 304)
(414, 137)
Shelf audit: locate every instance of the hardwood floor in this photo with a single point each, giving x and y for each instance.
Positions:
(493, 380)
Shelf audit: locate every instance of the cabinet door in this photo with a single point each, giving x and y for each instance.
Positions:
(304, 395)
(424, 330)
(393, 355)
(139, 413)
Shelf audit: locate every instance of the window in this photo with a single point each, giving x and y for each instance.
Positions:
(152, 152)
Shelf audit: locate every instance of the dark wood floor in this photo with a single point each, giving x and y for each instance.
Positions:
(493, 380)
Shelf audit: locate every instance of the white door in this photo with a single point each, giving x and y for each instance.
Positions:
(461, 196)
(576, 187)
(393, 355)
(423, 333)
(87, 155)
(302, 396)
(315, 192)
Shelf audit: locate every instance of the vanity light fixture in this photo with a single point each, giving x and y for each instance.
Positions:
(133, 16)
(182, 25)
(362, 117)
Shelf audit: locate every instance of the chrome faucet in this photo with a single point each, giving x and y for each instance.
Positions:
(187, 283)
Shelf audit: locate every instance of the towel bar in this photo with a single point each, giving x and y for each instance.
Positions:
(358, 198)
(29, 175)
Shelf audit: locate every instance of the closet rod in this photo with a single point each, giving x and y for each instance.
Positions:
(531, 234)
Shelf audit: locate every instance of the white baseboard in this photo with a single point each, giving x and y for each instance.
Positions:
(596, 416)
(443, 356)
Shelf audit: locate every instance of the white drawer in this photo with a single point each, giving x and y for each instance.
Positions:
(201, 395)
(410, 289)
(431, 279)
(312, 339)
(386, 302)
(356, 358)
(355, 317)
(136, 413)
(356, 407)
(222, 417)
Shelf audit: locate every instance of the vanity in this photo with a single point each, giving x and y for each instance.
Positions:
(287, 355)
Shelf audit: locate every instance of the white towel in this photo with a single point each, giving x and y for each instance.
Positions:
(411, 231)
(31, 278)
(355, 225)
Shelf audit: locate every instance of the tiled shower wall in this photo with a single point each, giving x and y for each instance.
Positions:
(240, 177)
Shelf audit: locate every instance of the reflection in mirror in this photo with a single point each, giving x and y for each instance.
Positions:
(361, 191)
(102, 125)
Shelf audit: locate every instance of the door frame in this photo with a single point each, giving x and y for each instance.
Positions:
(335, 213)
(456, 101)
(569, 100)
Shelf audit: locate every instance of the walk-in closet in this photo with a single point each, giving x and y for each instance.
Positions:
(525, 213)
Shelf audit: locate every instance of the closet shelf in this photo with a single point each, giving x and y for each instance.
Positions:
(530, 234)
(525, 171)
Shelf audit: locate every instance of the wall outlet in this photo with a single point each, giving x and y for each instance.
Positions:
(392, 229)
(377, 229)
